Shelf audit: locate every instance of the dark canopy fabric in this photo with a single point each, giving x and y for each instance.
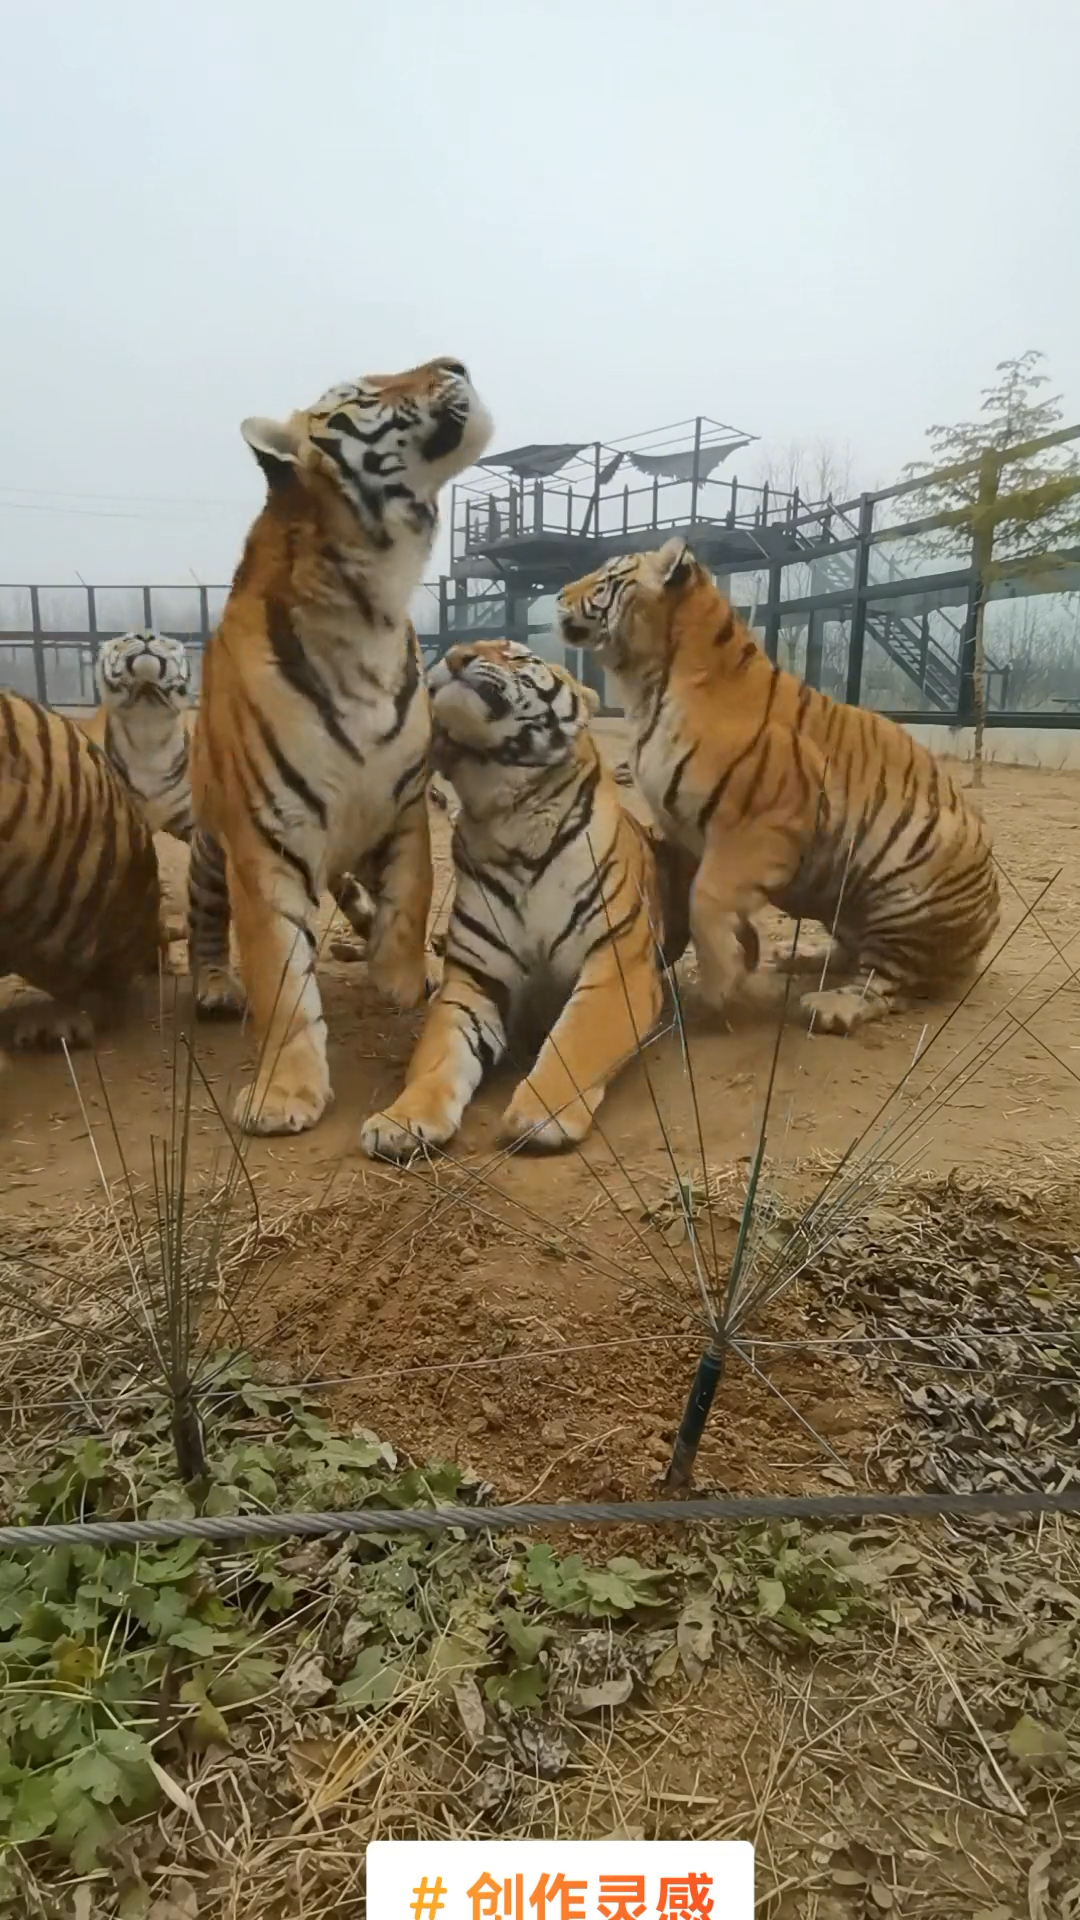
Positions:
(535, 463)
(680, 466)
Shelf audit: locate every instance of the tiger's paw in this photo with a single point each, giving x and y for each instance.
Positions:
(843, 1009)
(218, 994)
(354, 902)
(47, 1027)
(280, 1105)
(810, 959)
(528, 1123)
(399, 1135)
(406, 982)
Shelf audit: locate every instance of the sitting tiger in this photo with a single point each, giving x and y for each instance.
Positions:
(79, 893)
(557, 887)
(141, 724)
(787, 797)
(142, 727)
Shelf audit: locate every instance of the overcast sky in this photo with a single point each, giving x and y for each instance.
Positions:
(817, 221)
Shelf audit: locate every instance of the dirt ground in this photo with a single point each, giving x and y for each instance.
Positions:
(509, 1312)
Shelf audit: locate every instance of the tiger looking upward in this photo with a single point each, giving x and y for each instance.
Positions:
(786, 797)
(559, 895)
(141, 726)
(310, 745)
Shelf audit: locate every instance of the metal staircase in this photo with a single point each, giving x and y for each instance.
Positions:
(932, 665)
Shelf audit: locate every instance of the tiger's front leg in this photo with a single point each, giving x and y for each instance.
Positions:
(754, 845)
(397, 958)
(275, 916)
(464, 1034)
(218, 993)
(614, 1007)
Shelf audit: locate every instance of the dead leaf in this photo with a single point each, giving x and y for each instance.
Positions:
(306, 1681)
(175, 1792)
(179, 1903)
(881, 1895)
(607, 1693)
(83, 1903)
(1039, 1885)
(996, 1795)
(1052, 1654)
(1031, 1741)
(666, 1664)
(471, 1708)
(694, 1635)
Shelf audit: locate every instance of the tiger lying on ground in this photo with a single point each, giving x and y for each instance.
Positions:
(829, 812)
(142, 727)
(556, 887)
(309, 754)
(79, 896)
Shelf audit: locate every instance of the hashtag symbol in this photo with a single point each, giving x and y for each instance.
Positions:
(428, 1900)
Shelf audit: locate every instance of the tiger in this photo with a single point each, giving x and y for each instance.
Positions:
(786, 797)
(141, 724)
(558, 891)
(309, 757)
(80, 900)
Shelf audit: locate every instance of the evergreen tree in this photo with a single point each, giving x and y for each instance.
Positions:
(1036, 502)
(1005, 510)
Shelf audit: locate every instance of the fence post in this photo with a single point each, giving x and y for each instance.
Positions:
(148, 616)
(857, 643)
(772, 611)
(39, 651)
(697, 473)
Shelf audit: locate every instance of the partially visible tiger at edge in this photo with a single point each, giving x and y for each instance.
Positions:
(557, 886)
(79, 893)
(786, 797)
(310, 746)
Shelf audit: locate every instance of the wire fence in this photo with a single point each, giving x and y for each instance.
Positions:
(737, 1511)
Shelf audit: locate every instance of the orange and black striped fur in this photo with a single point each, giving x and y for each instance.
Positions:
(141, 724)
(79, 897)
(142, 727)
(310, 747)
(557, 896)
(829, 812)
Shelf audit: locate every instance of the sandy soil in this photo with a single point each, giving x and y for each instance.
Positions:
(505, 1311)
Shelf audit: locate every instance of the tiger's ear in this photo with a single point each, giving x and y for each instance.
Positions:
(675, 564)
(274, 443)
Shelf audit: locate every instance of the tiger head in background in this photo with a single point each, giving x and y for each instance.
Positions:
(556, 886)
(143, 667)
(141, 724)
